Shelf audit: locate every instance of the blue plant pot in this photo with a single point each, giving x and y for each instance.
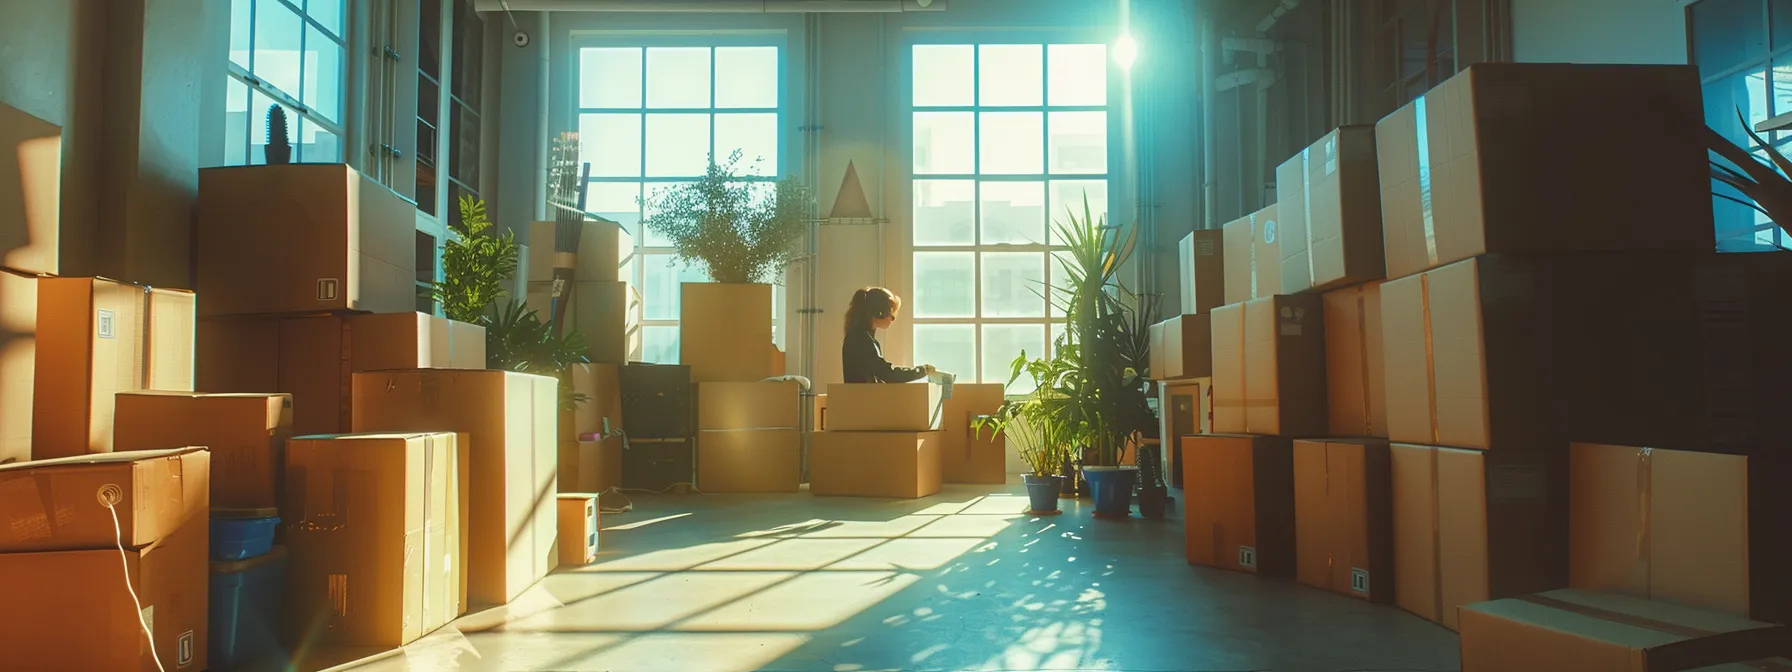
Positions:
(1042, 492)
(1111, 488)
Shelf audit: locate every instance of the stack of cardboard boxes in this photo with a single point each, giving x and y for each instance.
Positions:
(748, 418)
(1182, 347)
(881, 440)
(601, 303)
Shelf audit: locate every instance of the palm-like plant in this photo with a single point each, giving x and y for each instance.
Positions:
(517, 340)
(1106, 398)
(1764, 184)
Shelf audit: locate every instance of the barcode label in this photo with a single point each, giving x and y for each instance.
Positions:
(1247, 557)
(1359, 580)
(105, 322)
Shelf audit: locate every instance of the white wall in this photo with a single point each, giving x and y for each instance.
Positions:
(1599, 31)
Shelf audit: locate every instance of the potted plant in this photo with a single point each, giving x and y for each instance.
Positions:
(1031, 426)
(1135, 340)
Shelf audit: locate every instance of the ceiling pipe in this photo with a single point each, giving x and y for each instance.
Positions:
(715, 6)
(1262, 77)
(1255, 45)
(1275, 15)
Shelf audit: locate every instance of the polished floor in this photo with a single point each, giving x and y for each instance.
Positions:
(959, 581)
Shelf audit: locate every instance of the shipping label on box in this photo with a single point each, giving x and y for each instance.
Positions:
(1251, 243)
(1239, 509)
(1342, 518)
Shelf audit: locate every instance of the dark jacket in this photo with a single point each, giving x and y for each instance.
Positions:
(862, 361)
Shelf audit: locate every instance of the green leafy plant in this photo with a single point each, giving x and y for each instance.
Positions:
(739, 232)
(517, 340)
(1764, 184)
(1032, 423)
(475, 268)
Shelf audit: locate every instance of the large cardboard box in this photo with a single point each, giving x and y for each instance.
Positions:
(601, 413)
(590, 466)
(579, 520)
(1269, 366)
(763, 405)
(1203, 270)
(1254, 268)
(95, 338)
(1697, 529)
(1182, 347)
(30, 192)
(1500, 165)
(604, 248)
(368, 520)
(1238, 505)
(980, 458)
(884, 407)
(1329, 203)
(749, 460)
(246, 434)
(1594, 632)
(1355, 373)
(59, 504)
(311, 357)
(1471, 526)
(903, 465)
(725, 331)
(606, 314)
(964, 458)
(18, 364)
(303, 238)
(1343, 517)
(508, 418)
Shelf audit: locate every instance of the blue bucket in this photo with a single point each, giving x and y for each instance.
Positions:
(243, 623)
(239, 534)
(1112, 488)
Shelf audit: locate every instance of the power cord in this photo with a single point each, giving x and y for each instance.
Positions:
(110, 495)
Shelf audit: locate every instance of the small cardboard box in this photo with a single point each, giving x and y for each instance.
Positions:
(18, 364)
(1329, 201)
(246, 434)
(1355, 374)
(884, 407)
(726, 331)
(1254, 270)
(968, 401)
(1182, 347)
(1343, 517)
(601, 413)
(1471, 525)
(762, 405)
(1596, 632)
(606, 314)
(95, 338)
(749, 460)
(1696, 529)
(590, 466)
(579, 522)
(30, 192)
(1269, 366)
(57, 504)
(1203, 270)
(367, 521)
(604, 248)
(1238, 508)
(982, 458)
(509, 420)
(1486, 163)
(904, 465)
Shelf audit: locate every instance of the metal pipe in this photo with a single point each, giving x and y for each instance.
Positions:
(714, 6)
(1205, 87)
(1275, 15)
(1256, 45)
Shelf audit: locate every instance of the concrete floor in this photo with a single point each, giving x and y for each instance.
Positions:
(959, 581)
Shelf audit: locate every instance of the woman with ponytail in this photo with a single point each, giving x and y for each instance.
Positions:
(862, 358)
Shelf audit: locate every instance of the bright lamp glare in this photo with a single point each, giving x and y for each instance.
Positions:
(1126, 51)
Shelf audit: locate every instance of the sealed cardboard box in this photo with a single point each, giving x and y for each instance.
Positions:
(590, 466)
(18, 363)
(1343, 517)
(761, 405)
(903, 465)
(1485, 163)
(749, 460)
(964, 458)
(1255, 269)
(1329, 203)
(578, 529)
(821, 412)
(1696, 529)
(169, 339)
(607, 315)
(57, 504)
(303, 238)
(30, 192)
(95, 338)
(246, 434)
(601, 413)
(1355, 374)
(1471, 526)
(1203, 270)
(1269, 366)
(1595, 632)
(725, 331)
(1186, 408)
(367, 520)
(883, 407)
(1182, 347)
(604, 247)
(508, 418)
(981, 458)
(1238, 508)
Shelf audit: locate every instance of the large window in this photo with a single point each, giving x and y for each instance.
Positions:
(651, 117)
(1006, 137)
(1743, 49)
(288, 53)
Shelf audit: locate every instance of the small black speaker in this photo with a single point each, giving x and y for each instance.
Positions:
(656, 401)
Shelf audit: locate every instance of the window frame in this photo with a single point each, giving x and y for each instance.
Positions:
(246, 76)
(1763, 62)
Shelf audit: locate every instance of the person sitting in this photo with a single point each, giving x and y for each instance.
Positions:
(862, 358)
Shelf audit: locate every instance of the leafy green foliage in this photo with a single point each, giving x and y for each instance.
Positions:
(1033, 423)
(517, 340)
(476, 267)
(739, 235)
(1109, 326)
(1765, 183)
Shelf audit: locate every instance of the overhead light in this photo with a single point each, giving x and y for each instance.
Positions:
(1126, 51)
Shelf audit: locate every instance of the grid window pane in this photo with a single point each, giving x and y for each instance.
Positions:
(1068, 199)
(1782, 23)
(1010, 143)
(948, 347)
(1002, 343)
(1057, 334)
(677, 145)
(318, 144)
(610, 77)
(327, 13)
(678, 77)
(240, 30)
(944, 143)
(1013, 284)
(236, 122)
(663, 276)
(1727, 33)
(755, 136)
(1077, 74)
(942, 75)
(944, 285)
(618, 202)
(1744, 91)
(1079, 143)
(323, 74)
(1010, 75)
(611, 143)
(656, 190)
(944, 210)
(1012, 212)
(1060, 281)
(747, 77)
(277, 31)
(659, 344)
(1782, 87)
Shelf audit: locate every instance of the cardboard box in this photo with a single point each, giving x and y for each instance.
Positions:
(980, 458)
(73, 612)
(1269, 367)
(303, 238)
(603, 407)
(749, 460)
(1238, 508)
(964, 458)
(1255, 270)
(95, 338)
(606, 314)
(1182, 347)
(1695, 529)
(508, 419)
(55, 504)
(246, 434)
(590, 466)
(1595, 632)
(1185, 408)
(904, 465)
(18, 364)
(1343, 517)
(579, 519)
(1471, 526)
(725, 331)
(367, 520)
(604, 248)
(310, 357)
(1329, 202)
(1355, 372)
(1203, 270)
(821, 412)
(1501, 168)
(884, 407)
(30, 192)
(763, 405)
(169, 339)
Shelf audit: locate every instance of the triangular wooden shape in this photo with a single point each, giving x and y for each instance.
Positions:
(850, 203)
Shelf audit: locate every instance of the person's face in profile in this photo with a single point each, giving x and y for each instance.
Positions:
(882, 323)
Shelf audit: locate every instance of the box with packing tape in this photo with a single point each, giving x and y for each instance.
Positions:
(1253, 269)
(1182, 347)
(1343, 515)
(246, 434)
(1238, 510)
(1355, 368)
(1269, 366)
(874, 464)
(1329, 203)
